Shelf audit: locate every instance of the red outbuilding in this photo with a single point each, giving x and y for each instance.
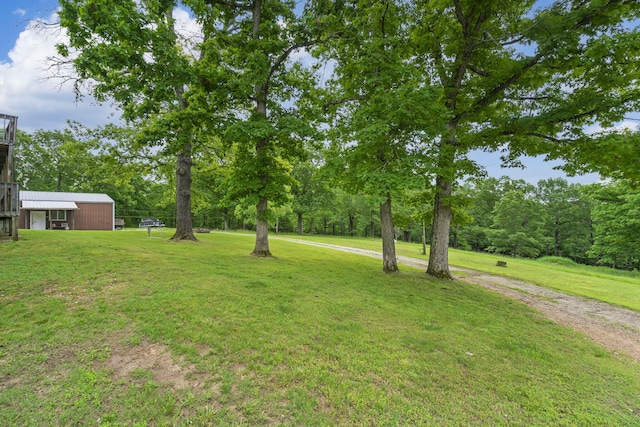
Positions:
(45, 210)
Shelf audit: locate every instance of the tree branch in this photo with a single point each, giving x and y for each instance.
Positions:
(600, 108)
(533, 61)
(528, 98)
(284, 55)
(500, 88)
(439, 62)
(459, 14)
(231, 4)
(549, 137)
(342, 101)
(514, 41)
(479, 71)
(464, 57)
(537, 135)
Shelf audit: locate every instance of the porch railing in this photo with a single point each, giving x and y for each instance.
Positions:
(8, 127)
(9, 205)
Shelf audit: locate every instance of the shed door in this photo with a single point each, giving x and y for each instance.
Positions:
(38, 220)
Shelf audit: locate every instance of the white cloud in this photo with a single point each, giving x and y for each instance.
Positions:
(19, 12)
(27, 91)
(625, 125)
(628, 125)
(39, 102)
(189, 30)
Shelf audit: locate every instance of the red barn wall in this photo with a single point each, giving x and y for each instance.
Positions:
(23, 218)
(92, 216)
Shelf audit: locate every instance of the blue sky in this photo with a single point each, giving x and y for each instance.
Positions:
(15, 16)
(41, 103)
(25, 90)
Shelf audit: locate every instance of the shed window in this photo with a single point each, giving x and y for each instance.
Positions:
(59, 215)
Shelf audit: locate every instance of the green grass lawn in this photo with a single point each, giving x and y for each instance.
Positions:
(213, 336)
(601, 283)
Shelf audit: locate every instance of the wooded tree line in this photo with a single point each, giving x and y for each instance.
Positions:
(596, 224)
(389, 96)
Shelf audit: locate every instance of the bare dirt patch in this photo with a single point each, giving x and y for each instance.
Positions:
(157, 359)
(84, 295)
(615, 328)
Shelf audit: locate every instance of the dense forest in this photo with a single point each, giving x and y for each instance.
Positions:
(358, 118)
(595, 224)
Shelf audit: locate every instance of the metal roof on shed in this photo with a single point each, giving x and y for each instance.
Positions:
(52, 196)
(44, 205)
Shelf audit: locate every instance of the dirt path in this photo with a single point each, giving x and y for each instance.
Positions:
(615, 328)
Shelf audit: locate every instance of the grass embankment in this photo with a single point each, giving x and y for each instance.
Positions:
(601, 283)
(115, 328)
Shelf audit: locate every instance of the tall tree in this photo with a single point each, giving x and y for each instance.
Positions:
(485, 193)
(521, 80)
(270, 131)
(131, 52)
(517, 223)
(567, 217)
(380, 106)
(616, 218)
(54, 161)
(310, 194)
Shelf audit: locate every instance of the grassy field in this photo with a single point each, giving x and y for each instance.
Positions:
(116, 328)
(616, 287)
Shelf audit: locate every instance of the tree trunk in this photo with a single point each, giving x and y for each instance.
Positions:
(184, 221)
(372, 229)
(184, 224)
(226, 219)
(442, 215)
(300, 223)
(389, 261)
(424, 238)
(261, 92)
(262, 224)
(262, 230)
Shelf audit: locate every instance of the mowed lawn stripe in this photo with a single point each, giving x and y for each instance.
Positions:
(310, 337)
